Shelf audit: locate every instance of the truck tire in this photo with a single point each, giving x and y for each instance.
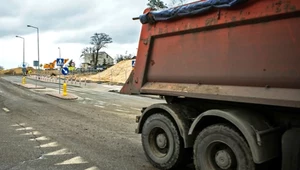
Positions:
(162, 143)
(220, 147)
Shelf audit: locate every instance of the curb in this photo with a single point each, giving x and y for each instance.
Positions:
(29, 87)
(69, 97)
(24, 86)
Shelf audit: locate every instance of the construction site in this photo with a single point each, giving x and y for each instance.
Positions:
(116, 74)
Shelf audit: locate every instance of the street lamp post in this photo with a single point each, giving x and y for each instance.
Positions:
(23, 49)
(38, 47)
(23, 65)
(59, 51)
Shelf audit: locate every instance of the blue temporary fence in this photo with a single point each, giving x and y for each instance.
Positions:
(187, 10)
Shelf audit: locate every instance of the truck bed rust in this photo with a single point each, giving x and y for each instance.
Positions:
(250, 54)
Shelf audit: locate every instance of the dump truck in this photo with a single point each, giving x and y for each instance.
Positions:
(229, 72)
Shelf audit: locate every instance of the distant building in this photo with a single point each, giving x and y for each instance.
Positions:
(103, 60)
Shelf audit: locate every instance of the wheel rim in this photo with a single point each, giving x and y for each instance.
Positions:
(221, 157)
(159, 142)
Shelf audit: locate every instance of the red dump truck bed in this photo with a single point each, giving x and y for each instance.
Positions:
(249, 53)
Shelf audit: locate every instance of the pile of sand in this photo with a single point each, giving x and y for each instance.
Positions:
(15, 71)
(115, 74)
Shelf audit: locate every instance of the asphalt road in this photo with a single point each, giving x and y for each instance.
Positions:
(94, 132)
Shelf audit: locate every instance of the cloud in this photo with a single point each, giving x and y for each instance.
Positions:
(68, 24)
(6, 11)
(61, 15)
(128, 34)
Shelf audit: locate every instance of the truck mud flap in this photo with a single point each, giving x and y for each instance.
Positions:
(291, 150)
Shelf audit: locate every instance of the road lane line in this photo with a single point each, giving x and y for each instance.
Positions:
(116, 105)
(135, 109)
(26, 128)
(59, 152)
(75, 160)
(42, 138)
(5, 109)
(88, 98)
(32, 133)
(119, 110)
(102, 102)
(20, 124)
(49, 145)
(99, 106)
(93, 168)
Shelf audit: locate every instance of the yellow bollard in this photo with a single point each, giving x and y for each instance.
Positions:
(65, 89)
(24, 80)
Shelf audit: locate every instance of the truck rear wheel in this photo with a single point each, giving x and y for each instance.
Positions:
(220, 147)
(162, 143)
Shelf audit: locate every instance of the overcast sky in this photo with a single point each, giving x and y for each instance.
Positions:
(67, 24)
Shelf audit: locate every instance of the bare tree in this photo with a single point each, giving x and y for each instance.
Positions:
(121, 57)
(99, 40)
(88, 51)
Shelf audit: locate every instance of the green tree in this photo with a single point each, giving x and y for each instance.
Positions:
(177, 3)
(156, 4)
(99, 41)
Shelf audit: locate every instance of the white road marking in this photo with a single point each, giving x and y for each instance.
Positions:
(32, 133)
(20, 124)
(93, 168)
(26, 128)
(5, 109)
(116, 105)
(49, 145)
(42, 138)
(88, 98)
(135, 109)
(99, 106)
(119, 110)
(75, 160)
(102, 102)
(59, 152)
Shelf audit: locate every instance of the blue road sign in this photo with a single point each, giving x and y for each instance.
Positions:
(24, 65)
(59, 62)
(36, 63)
(133, 62)
(65, 71)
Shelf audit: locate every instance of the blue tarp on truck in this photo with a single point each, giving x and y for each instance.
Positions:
(187, 10)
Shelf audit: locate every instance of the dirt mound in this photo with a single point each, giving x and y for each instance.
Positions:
(15, 71)
(115, 74)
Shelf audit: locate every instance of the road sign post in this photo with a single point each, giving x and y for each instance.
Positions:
(60, 64)
(65, 71)
(36, 64)
(59, 82)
